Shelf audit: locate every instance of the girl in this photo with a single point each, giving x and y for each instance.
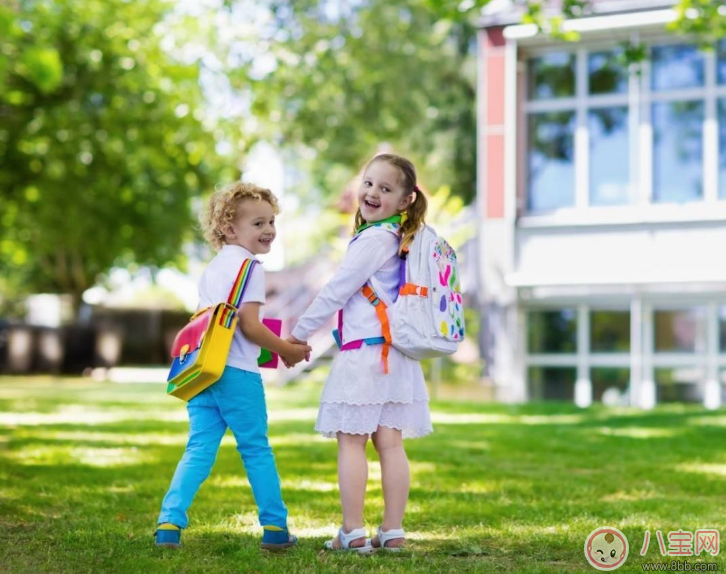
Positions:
(372, 390)
(239, 223)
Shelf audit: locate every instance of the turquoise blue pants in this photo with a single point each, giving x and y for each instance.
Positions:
(236, 401)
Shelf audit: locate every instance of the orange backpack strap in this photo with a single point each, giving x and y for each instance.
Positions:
(380, 308)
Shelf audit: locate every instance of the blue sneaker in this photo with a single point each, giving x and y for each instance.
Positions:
(168, 538)
(276, 538)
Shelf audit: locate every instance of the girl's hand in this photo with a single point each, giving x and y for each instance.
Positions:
(296, 341)
(296, 353)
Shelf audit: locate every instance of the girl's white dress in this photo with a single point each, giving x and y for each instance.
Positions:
(358, 395)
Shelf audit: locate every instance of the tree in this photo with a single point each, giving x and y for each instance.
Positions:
(342, 82)
(102, 142)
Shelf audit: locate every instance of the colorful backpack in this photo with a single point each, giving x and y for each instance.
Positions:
(200, 349)
(427, 318)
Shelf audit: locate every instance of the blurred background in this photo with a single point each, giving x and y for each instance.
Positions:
(574, 154)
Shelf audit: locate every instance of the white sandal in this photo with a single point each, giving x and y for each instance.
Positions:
(346, 539)
(386, 535)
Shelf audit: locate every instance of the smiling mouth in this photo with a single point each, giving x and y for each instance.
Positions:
(370, 205)
(266, 241)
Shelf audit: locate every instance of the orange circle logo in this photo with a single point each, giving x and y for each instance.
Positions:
(606, 548)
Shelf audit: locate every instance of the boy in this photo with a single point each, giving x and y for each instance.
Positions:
(240, 223)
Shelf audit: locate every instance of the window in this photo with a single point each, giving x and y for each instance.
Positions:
(607, 75)
(722, 148)
(552, 383)
(721, 62)
(552, 331)
(552, 76)
(551, 160)
(557, 104)
(611, 380)
(679, 384)
(677, 151)
(676, 67)
(610, 331)
(680, 331)
(673, 97)
(722, 329)
(609, 156)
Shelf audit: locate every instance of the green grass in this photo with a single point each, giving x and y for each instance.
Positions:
(496, 488)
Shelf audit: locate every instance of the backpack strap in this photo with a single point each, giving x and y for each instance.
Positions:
(380, 308)
(238, 290)
(411, 289)
(377, 302)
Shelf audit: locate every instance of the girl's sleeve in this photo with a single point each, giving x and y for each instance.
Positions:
(365, 256)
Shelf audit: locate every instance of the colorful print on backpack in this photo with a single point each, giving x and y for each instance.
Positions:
(448, 309)
(427, 318)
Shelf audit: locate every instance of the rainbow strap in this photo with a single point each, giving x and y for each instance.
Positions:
(238, 291)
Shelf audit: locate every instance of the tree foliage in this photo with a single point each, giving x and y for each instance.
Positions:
(105, 139)
(344, 81)
(101, 141)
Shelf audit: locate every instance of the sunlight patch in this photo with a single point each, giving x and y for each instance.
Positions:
(629, 496)
(229, 481)
(417, 467)
(106, 437)
(639, 432)
(108, 457)
(78, 415)
(478, 487)
(312, 485)
(307, 414)
(552, 419)
(700, 468)
(708, 421)
(296, 439)
(101, 457)
(488, 418)
(11, 494)
(470, 418)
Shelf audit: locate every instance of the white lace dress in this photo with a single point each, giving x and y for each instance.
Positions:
(358, 396)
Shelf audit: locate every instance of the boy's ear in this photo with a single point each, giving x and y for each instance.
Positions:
(229, 232)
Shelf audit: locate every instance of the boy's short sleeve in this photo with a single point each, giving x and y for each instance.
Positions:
(255, 291)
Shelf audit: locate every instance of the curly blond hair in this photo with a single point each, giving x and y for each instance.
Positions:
(222, 208)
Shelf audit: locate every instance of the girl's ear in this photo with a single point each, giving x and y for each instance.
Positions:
(229, 232)
(405, 202)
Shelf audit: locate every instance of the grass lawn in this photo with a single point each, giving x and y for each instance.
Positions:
(496, 488)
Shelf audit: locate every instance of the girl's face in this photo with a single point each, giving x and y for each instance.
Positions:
(253, 226)
(381, 194)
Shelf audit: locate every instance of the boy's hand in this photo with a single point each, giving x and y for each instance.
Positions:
(297, 352)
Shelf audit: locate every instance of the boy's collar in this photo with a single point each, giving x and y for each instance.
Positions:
(231, 247)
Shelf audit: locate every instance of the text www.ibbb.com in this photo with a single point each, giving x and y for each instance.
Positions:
(679, 566)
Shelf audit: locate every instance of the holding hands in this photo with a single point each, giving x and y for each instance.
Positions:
(299, 350)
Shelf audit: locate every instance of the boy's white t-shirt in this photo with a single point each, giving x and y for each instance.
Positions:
(214, 287)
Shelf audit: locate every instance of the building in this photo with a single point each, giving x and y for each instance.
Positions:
(602, 191)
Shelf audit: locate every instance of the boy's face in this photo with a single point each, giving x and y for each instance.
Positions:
(381, 194)
(253, 226)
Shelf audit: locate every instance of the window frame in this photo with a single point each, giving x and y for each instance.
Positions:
(642, 359)
(638, 99)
